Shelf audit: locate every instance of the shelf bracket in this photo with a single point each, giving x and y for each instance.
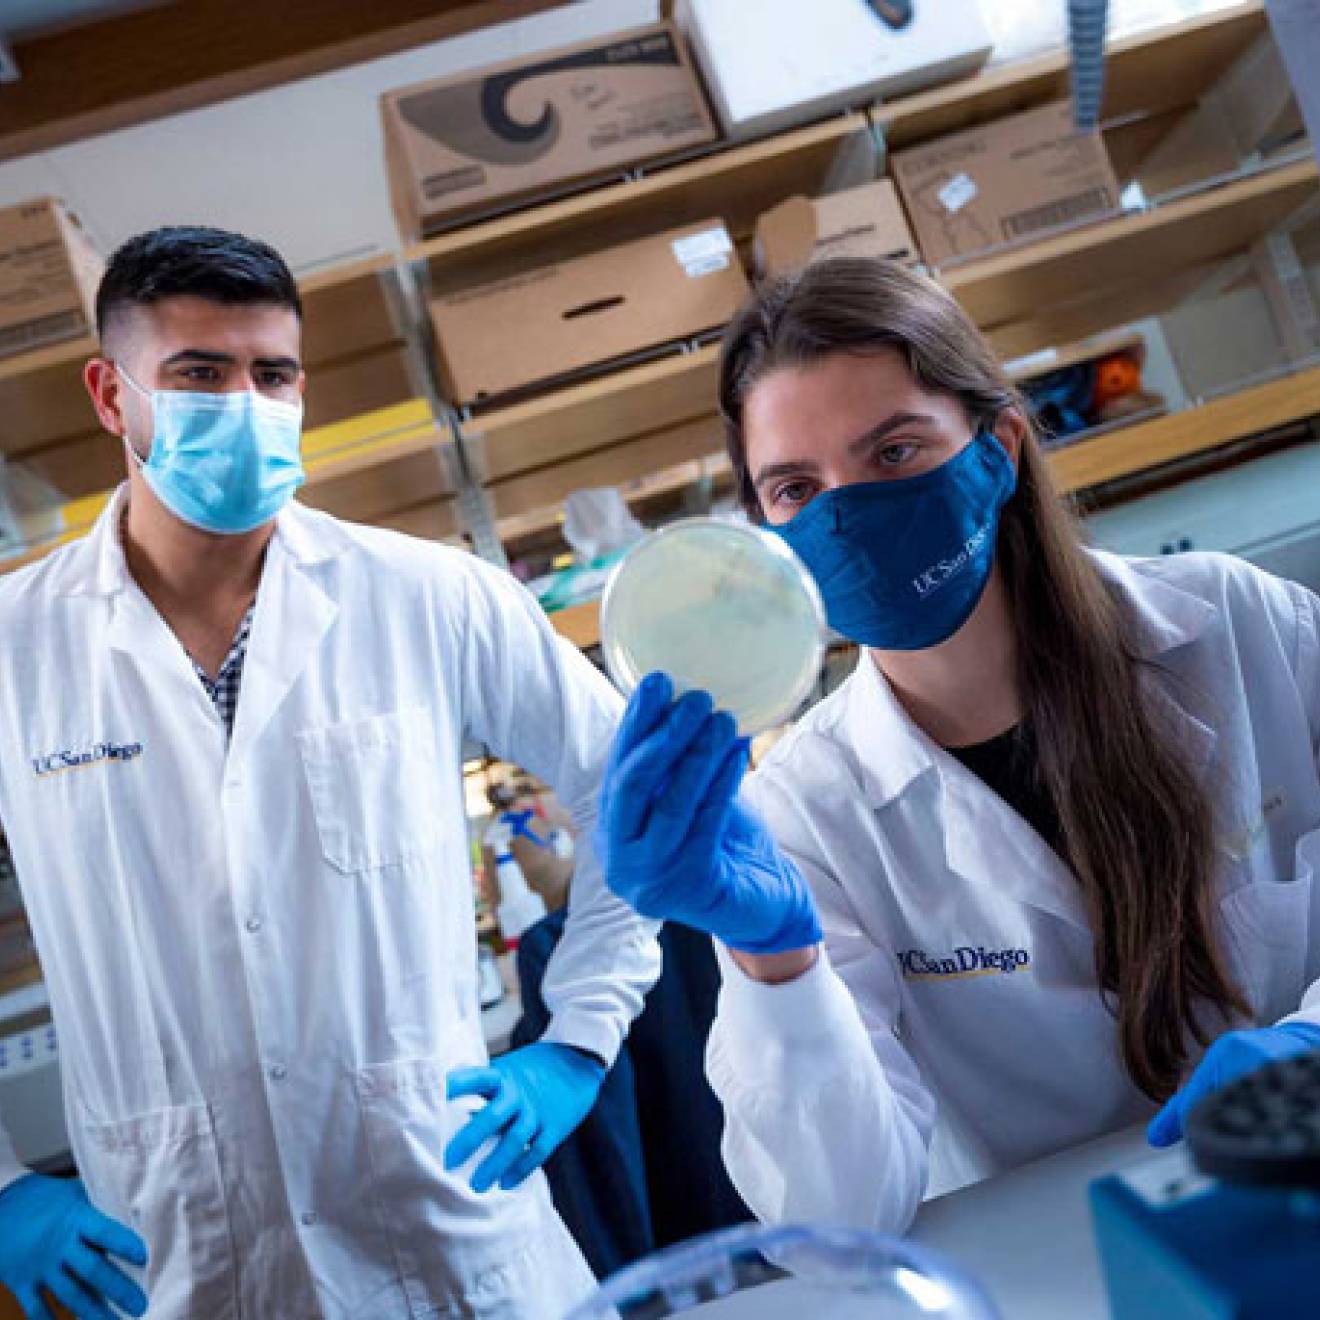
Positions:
(1292, 308)
(406, 292)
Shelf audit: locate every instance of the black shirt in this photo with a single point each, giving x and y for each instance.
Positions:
(1007, 766)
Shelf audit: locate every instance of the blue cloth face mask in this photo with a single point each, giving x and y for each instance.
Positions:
(225, 463)
(902, 564)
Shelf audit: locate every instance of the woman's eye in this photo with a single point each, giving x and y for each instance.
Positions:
(896, 455)
(793, 493)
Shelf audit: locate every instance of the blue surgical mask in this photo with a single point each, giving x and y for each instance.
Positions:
(902, 564)
(223, 462)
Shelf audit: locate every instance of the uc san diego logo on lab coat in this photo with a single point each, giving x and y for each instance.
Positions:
(79, 758)
(965, 961)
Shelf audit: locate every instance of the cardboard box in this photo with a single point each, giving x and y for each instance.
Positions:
(860, 222)
(483, 140)
(777, 63)
(1255, 98)
(560, 321)
(1005, 182)
(49, 271)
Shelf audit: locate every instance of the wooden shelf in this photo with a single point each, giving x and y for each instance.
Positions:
(579, 623)
(595, 415)
(734, 183)
(1145, 74)
(1133, 449)
(1133, 258)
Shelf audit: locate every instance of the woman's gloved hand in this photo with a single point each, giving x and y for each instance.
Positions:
(535, 1097)
(675, 842)
(53, 1240)
(1232, 1056)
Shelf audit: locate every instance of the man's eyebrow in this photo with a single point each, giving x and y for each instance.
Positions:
(199, 355)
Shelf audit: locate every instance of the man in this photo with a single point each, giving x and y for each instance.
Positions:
(230, 747)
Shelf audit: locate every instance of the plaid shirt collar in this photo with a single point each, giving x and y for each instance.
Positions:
(223, 690)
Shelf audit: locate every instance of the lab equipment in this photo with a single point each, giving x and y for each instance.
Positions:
(534, 1098)
(901, 564)
(520, 906)
(52, 1239)
(1227, 1224)
(674, 840)
(1233, 1055)
(759, 1273)
(721, 607)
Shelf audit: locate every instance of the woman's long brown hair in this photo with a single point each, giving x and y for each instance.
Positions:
(1137, 821)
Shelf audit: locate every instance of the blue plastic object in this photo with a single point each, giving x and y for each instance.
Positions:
(53, 1240)
(1087, 21)
(1177, 1246)
(535, 1097)
(674, 840)
(1232, 1056)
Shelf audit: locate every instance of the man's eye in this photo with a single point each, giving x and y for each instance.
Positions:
(201, 375)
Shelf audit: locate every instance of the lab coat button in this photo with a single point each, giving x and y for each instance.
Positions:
(278, 1072)
(309, 1219)
(253, 924)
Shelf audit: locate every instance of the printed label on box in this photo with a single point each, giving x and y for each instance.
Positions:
(705, 252)
(957, 193)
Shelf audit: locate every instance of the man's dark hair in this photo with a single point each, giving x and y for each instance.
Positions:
(192, 260)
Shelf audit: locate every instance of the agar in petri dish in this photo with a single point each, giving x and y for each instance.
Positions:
(719, 606)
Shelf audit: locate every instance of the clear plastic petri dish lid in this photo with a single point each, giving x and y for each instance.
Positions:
(754, 1272)
(719, 606)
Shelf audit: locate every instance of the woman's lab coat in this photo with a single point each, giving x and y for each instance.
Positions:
(262, 963)
(955, 1028)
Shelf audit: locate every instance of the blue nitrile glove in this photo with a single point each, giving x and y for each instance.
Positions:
(52, 1239)
(535, 1097)
(1232, 1056)
(674, 840)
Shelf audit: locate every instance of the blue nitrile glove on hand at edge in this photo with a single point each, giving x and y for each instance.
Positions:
(1233, 1055)
(674, 840)
(535, 1098)
(53, 1240)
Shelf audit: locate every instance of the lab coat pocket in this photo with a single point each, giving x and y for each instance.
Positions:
(160, 1174)
(1269, 928)
(374, 789)
(458, 1253)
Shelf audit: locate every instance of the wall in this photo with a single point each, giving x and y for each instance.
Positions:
(300, 165)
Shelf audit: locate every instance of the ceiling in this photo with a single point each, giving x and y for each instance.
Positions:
(25, 18)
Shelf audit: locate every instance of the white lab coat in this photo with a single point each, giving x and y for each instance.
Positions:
(262, 963)
(955, 1029)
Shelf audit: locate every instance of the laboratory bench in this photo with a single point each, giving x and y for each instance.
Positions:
(1025, 1236)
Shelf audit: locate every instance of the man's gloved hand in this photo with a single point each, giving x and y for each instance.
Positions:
(674, 840)
(1232, 1056)
(535, 1097)
(53, 1240)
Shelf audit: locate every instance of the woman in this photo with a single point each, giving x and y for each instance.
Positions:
(1052, 838)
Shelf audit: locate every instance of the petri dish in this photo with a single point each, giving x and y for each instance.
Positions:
(784, 1273)
(720, 606)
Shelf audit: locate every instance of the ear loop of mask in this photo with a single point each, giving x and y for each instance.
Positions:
(137, 458)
